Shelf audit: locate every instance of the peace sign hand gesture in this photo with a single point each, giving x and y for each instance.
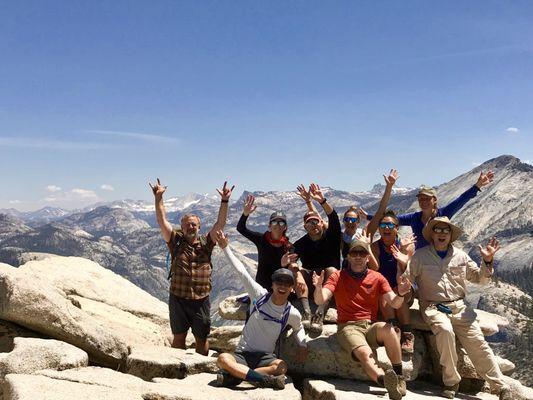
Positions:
(158, 189)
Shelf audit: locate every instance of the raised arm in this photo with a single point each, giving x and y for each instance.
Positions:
(321, 294)
(249, 207)
(166, 228)
(254, 289)
(390, 180)
(225, 194)
(316, 194)
(305, 195)
(450, 209)
(483, 274)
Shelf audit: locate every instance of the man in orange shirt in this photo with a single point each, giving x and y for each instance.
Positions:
(357, 291)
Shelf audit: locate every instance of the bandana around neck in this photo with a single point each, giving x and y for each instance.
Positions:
(283, 241)
(357, 275)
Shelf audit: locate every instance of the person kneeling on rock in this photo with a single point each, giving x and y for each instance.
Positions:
(254, 359)
(357, 292)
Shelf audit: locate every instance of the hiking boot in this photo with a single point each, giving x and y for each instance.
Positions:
(402, 386)
(392, 384)
(317, 320)
(505, 393)
(408, 343)
(306, 320)
(450, 391)
(226, 380)
(273, 382)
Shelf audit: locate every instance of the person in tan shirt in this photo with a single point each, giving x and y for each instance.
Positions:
(441, 271)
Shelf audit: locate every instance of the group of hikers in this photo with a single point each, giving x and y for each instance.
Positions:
(372, 284)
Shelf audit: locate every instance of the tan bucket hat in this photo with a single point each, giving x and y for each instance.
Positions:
(427, 190)
(428, 229)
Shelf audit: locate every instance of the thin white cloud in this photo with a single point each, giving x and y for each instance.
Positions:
(107, 187)
(84, 193)
(15, 201)
(53, 188)
(149, 137)
(39, 143)
(512, 129)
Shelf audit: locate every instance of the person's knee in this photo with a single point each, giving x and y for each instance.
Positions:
(362, 354)
(223, 360)
(280, 366)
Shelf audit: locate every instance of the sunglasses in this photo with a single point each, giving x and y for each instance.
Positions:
(353, 220)
(284, 282)
(278, 222)
(389, 225)
(312, 222)
(447, 229)
(358, 253)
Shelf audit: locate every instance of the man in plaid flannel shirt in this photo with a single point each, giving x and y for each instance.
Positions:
(190, 273)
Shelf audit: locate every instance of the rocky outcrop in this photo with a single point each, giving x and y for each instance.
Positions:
(100, 383)
(148, 362)
(77, 301)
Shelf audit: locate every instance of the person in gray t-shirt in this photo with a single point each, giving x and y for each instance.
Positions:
(254, 359)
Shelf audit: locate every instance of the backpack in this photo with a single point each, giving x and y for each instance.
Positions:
(256, 306)
(170, 254)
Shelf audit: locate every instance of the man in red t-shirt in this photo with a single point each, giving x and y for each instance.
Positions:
(357, 291)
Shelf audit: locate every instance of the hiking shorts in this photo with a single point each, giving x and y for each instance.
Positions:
(253, 359)
(354, 334)
(188, 313)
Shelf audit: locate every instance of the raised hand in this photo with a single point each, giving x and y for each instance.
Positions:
(221, 239)
(249, 206)
(316, 193)
(407, 241)
(225, 193)
(157, 188)
(404, 285)
(364, 236)
(303, 193)
(392, 178)
(488, 252)
(318, 280)
(484, 179)
(398, 255)
(288, 258)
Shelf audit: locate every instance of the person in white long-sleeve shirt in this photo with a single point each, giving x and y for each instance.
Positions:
(254, 359)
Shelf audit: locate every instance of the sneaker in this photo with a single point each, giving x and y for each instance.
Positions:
(226, 380)
(306, 320)
(402, 386)
(392, 384)
(317, 320)
(505, 393)
(276, 382)
(450, 391)
(408, 342)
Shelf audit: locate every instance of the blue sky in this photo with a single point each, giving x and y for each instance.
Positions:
(97, 98)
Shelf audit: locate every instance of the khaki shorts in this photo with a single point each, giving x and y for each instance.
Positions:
(354, 334)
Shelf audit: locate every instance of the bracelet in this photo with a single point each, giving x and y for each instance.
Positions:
(323, 201)
(224, 201)
(401, 295)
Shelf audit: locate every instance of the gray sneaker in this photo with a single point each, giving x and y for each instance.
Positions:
(402, 386)
(505, 393)
(392, 384)
(450, 391)
(276, 382)
(317, 321)
(226, 380)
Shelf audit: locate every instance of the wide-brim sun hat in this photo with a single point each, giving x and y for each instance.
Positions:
(428, 229)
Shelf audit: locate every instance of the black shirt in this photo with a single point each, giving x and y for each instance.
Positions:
(325, 252)
(268, 256)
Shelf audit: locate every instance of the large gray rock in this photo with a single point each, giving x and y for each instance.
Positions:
(101, 383)
(225, 338)
(148, 362)
(33, 303)
(340, 389)
(31, 354)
